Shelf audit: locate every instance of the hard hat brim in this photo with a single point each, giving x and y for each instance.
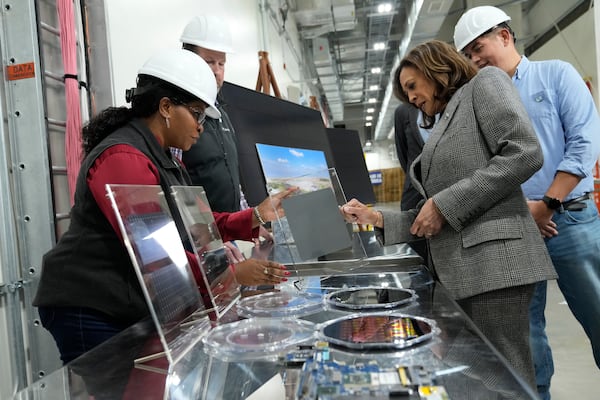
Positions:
(187, 71)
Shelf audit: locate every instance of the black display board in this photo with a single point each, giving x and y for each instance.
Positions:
(260, 118)
(350, 165)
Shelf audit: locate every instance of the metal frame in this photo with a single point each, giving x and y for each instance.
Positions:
(25, 190)
(33, 188)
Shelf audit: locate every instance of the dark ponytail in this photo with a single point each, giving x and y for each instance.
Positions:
(102, 125)
(144, 102)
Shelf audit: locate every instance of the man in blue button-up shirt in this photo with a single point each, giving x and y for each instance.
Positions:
(565, 119)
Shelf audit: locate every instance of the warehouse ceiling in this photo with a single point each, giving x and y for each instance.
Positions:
(352, 47)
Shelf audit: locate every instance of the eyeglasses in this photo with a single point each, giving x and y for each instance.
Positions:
(198, 115)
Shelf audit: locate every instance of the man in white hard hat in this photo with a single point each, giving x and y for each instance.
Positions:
(563, 114)
(213, 161)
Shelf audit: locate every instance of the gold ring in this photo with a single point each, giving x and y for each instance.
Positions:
(266, 271)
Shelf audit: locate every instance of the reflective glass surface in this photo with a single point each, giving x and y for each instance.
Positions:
(456, 358)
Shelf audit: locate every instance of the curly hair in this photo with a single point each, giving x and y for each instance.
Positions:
(441, 64)
(144, 102)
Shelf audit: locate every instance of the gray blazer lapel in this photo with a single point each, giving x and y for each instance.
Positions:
(437, 132)
(414, 178)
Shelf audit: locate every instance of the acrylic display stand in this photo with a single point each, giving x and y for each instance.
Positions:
(182, 313)
(207, 245)
(161, 264)
(312, 226)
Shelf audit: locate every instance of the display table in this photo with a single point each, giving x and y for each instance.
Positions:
(457, 358)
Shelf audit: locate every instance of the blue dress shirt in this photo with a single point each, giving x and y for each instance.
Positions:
(566, 121)
(424, 132)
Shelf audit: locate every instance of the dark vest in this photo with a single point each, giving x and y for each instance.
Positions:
(90, 267)
(213, 163)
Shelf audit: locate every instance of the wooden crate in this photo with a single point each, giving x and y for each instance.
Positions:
(390, 189)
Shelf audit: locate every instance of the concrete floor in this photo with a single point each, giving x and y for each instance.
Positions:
(576, 374)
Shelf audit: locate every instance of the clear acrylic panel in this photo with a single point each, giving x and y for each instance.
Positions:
(313, 228)
(195, 211)
(161, 264)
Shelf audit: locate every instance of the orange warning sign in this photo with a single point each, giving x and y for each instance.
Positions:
(20, 71)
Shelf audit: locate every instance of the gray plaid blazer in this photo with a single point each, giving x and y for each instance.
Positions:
(478, 155)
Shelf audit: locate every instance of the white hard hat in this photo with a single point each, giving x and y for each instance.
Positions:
(187, 71)
(475, 22)
(209, 32)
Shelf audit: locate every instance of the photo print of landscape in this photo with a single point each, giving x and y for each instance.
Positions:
(287, 166)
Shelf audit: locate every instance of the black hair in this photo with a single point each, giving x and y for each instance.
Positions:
(502, 25)
(191, 47)
(440, 64)
(509, 29)
(145, 99)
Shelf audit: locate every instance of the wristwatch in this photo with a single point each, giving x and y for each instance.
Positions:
(551, 202)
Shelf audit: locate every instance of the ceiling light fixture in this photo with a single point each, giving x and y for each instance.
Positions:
(372, 100)
(384, 8)
(379, 46)
(369, 118)
(376, 70)
(387, 105)
(368, 123)
(373, 87)
(370, 110)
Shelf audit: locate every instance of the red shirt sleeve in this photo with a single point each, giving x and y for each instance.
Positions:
(236, 226)
(119, 164)
(125, 165)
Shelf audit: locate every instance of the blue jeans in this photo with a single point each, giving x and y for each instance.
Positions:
(77, 330)
(540, 349)
(575, 253)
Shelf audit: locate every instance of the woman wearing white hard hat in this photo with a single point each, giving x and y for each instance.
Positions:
(88, 290)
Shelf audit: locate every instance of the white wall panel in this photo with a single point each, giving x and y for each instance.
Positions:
(138, 28)
(575, 45)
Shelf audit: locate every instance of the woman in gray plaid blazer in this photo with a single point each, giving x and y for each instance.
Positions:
(485, 247)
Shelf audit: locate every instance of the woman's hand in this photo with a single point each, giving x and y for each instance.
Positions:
(265, 234)
(253, 272)
(355, 211)
(234, 255)
(429, 221)
(543, 218)
(266, 209)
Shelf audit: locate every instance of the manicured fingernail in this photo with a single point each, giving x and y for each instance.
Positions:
(287, 273)
(283, 279)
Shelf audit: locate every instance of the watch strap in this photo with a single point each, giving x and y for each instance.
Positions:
(551, 202)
